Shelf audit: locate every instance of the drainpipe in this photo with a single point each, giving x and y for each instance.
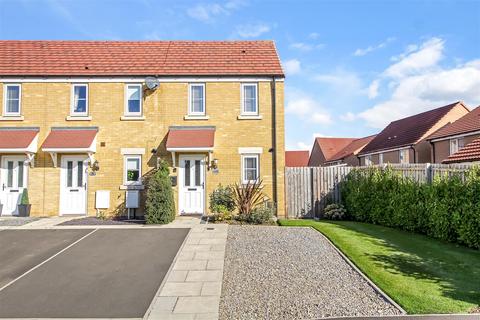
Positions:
(414, 154)
(274, 144)
(433, 151)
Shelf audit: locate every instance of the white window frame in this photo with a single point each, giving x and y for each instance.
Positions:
(72, 101)
(190, 101)
(242, 95)
(380, 158)
(125, 161)
(5, 89)
(402, 156)
(459, 144)
(368, 160)
(126, 112)
(245, 156)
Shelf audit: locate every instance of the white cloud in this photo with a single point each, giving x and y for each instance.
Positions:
(373, 89)
(207, 12)
(361, 52)
(292, 66)
(303, 146)
(321, 118)
(306, 108)
(252, 30)
(313, 35)
(302, 46)
(348, 117)
(320, 135)
(342, 81)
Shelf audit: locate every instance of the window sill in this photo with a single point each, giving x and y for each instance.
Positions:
(78, 118)
(190, 117)
(247, 117)
(132, 187)
(132, 118)
(11, 118)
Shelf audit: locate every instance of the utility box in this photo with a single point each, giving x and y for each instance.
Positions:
(132, 199)
(102, 199)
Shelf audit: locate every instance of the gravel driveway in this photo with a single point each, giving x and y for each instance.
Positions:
(291, 273)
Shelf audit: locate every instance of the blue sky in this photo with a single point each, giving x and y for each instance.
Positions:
(352, 66)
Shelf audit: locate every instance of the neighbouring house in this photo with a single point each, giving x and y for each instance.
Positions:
(404, 140)
(85, 122)
(447, 141)
(297, 158)
(469, 154)
(348, 155)
(325, 148)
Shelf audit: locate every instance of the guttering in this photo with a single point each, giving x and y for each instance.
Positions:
(274, 144)
(385, 150)
(460, 135)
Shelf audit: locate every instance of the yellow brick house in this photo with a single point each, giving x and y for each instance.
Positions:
(84, 122)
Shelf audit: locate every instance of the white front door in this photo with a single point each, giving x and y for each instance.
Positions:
(73, 185)
(14, 180)
(192, 184)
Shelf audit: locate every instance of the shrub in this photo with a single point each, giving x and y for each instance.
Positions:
(25, 200)
(160, 205)
(221, 200)
(247, 197)
(259, 215)
(334, 212)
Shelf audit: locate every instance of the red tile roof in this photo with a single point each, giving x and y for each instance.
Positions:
(70, 138)
(352, 148)
(135, 58)
(191, 137)
(468, 123)
(469, 153)
(331, 146)
(16, 137)
(296, 158)
(407, 131)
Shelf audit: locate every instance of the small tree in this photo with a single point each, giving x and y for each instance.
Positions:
(160, 205)
(25, 200)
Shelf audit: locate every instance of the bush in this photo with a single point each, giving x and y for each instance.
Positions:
(24, 200)
(160, 205)
(221, 200)
(247, 197)
(259, 215)
(447, 209)
(334, 212)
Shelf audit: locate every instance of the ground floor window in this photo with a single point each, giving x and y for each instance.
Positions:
(132, 170)
(250, 168)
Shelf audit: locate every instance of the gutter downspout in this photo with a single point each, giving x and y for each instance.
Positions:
(274, 144)
(433, 151)
(414, 154)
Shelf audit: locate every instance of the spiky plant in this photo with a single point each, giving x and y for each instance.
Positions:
(247, 196)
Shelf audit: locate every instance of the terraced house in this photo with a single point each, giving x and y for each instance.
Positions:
(83, 123)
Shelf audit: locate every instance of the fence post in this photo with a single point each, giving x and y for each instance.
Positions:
(428, 172)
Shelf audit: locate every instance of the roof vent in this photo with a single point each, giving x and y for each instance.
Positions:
(86, 67)
(244, 51)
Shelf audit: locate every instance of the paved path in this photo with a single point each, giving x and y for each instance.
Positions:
(193, 287)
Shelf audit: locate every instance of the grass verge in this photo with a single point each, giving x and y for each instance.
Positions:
(423, 275)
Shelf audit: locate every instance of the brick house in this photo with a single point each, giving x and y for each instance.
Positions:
(88, 120)
(348, 155)
(450, 139)
(325, 148)
(405, 140)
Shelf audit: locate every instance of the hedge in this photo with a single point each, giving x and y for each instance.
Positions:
(160, 204)
(446, 209)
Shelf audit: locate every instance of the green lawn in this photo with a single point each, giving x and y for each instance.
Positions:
(423, 275)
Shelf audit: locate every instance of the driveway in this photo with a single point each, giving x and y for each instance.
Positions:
(99, 273)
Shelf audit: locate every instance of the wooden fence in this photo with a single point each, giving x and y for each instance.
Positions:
(309, 189)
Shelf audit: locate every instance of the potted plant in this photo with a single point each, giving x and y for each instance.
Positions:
(24, 206)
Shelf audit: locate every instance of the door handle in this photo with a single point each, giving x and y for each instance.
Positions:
(3, 187)
(85, 186)
(203, 185)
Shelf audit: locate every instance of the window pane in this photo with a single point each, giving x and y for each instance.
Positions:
(13, 92)
(250, 98)
(80, 173)
(80, 99)
(133, 164)
(187, 173)
(133, 93)
(197, 173)
(251, 174)
(69, 173)
(251, 168)
(80, 106)
(197, 99)
(133, 106)
(133, 169)
(20, 174)
(10, 174)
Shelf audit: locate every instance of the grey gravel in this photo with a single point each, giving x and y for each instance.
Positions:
(292, 273)
(93, 221)
(15, 221)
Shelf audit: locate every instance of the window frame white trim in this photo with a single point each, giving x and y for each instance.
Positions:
(5, 89)
(242, 99)
(457, 144)
(190, 111)
(368, 158)
(243, 157)
(126, 157)
(74, 114)
(405, 160)
(126, 113)
(380, 158)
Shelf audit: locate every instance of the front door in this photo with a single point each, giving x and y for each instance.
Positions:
(14, 180)
(192, 184)
(73, 185)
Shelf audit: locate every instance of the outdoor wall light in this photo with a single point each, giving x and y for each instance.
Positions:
(214, 163)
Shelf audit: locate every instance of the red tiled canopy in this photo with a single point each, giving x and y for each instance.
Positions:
(16, 137)
(469, 153)
(191, 138)
(70, 138)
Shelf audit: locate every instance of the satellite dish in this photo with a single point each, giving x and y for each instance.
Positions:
(152, 83)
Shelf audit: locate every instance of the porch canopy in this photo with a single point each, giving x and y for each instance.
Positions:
(19, 140)
(71, 140)
(190, 139)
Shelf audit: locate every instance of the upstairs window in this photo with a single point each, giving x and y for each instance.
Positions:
(250, 168)
(249, 99)
(196, 99)
(133, 170)
(79, 100)
(11, 99)
(133, 100)
(455, 145)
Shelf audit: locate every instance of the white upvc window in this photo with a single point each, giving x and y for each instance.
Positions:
(380, 158)
(132, 170)
(368, 160)
(249, 98)
(250, 168)
(133, 100)
(403, 156)
(12, 99)
(196, 99)
(456, 144)
(79, 100)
